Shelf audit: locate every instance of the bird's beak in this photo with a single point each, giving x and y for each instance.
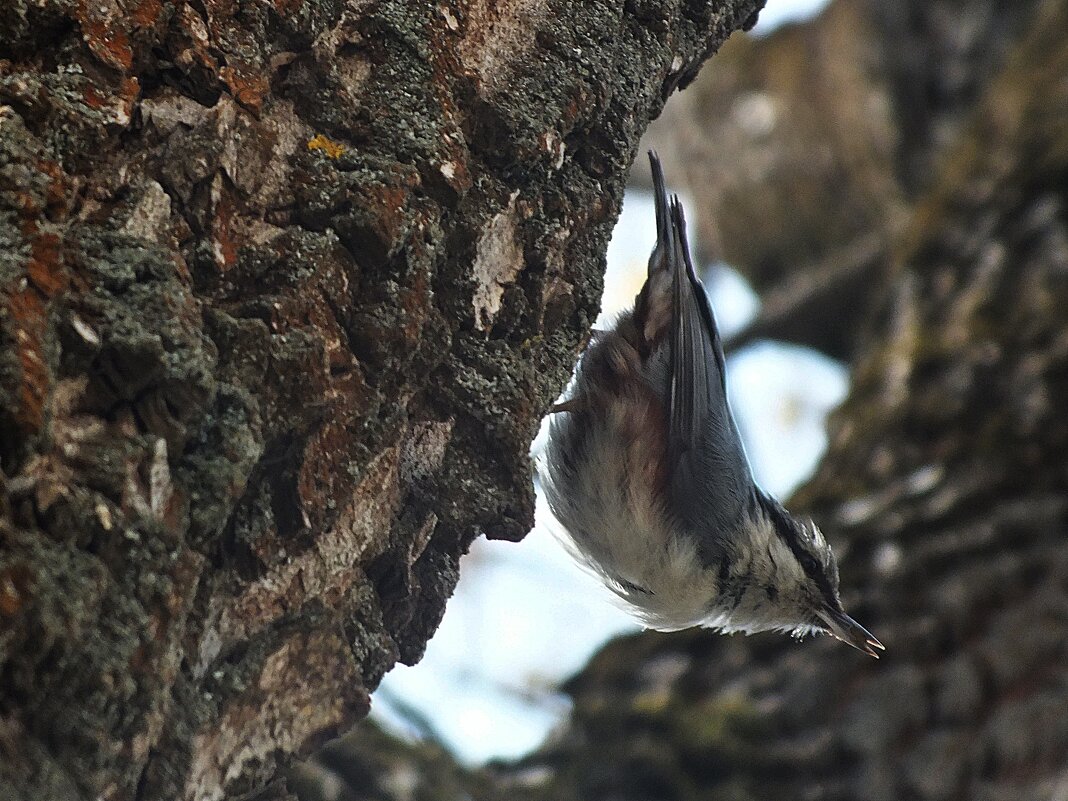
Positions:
(663, 212)
(843, 627)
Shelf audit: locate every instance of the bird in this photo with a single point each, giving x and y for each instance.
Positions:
(646, 473)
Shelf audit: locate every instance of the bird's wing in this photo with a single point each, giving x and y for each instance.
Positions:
(711, 483)
(663, 215)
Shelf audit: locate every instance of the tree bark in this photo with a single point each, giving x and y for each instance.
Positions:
(944, 491)
(285, 288)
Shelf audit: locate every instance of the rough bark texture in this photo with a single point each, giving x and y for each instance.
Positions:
(944, 489)
(285, 288)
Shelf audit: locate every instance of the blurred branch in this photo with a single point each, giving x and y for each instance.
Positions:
(821, 306)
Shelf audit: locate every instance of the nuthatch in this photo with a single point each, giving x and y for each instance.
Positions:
(646, 472)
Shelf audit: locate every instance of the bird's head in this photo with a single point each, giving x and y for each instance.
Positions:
(809, 581)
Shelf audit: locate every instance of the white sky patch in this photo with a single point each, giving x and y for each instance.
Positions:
(781, 12)
(628, 255)
(781, 396)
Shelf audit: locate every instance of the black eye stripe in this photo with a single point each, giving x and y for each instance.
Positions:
(790, 533)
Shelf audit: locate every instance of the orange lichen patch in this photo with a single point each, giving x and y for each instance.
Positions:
(56, 194)
(415, 300)
(24, 300)
(248, 88)
(15, 585)
(320, 315)
(196, 47)
(28, 313)
(27, 205)
(328, 148)
(107, 42)
(146, 13)
(94, 99)
(27, 307)
(131, 87)
(43, 269)
(287, 6)
(118, 108)
(391, 207)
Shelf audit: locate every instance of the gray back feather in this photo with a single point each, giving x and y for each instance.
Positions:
(711, 485)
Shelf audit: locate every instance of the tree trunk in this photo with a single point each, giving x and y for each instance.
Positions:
(285, 288)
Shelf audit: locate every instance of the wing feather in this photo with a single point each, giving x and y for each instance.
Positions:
(711, 483)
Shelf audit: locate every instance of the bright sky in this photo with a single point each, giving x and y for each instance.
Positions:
(524, 616)
(780, 12)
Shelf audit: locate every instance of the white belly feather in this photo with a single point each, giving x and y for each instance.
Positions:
(615, 526)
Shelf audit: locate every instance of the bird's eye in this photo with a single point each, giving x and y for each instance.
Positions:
(809, 563)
